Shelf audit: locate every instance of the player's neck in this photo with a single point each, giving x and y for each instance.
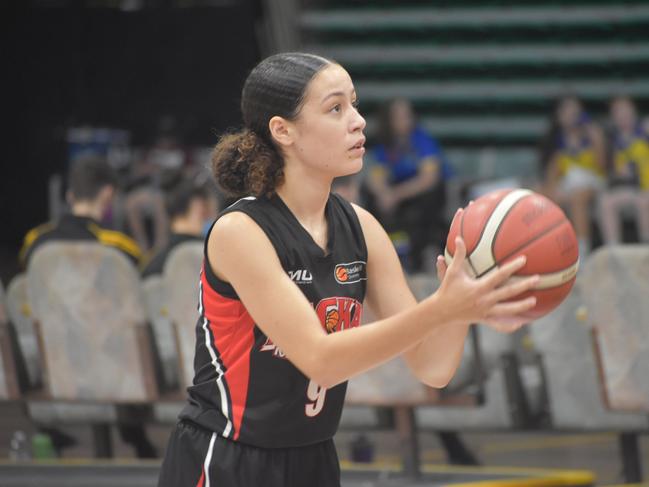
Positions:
(305, 194)
(88, 209)
(187, 226)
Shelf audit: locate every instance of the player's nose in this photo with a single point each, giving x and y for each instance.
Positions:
(358, 122)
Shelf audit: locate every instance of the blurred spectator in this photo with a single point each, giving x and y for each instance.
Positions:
(189, 205)
(144, 205)
(573, 158)
(347, 187)
(91, 185)
(629, 182)
(407, 181)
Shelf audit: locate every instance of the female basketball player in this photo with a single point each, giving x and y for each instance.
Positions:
(286, 273)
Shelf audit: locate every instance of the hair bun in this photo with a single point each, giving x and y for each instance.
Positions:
(245, 165)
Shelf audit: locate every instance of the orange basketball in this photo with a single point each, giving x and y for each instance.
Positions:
(504, 224)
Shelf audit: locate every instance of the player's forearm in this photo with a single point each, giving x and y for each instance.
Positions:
(435, 359)
(343, 355)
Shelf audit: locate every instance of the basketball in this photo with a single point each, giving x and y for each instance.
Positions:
(503, 224)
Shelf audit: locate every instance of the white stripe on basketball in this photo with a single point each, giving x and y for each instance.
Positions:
(467, 267)
(482, 257)
(217, 366)
(208, 458)
(552, 279)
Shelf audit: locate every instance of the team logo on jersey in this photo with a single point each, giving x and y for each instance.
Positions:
(351, 272)
(339, 313)
(335, 314)
(301, 276)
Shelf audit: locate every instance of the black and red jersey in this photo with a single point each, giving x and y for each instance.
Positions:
(244, 387)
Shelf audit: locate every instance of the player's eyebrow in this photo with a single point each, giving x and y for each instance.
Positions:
(337, 93)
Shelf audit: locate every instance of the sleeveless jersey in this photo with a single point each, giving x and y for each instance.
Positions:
(244, 387)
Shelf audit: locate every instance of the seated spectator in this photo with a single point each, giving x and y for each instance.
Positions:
(91, 185)
(347, 187)
(407, 181)
(189, 206)
(629, 182)
(573, 158)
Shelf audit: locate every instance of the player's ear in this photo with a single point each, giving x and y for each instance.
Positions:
(281, 130)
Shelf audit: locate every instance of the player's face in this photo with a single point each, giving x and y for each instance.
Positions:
(329, 129)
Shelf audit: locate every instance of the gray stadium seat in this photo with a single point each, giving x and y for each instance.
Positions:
(8, 378)
(181, 279)
(615, 289)
(564, 339)
(21, 316)
(155, 300)
(87, 300)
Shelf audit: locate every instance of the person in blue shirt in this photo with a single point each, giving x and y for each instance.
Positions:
(407, 180)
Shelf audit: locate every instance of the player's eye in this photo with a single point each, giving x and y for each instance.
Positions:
(336, 108)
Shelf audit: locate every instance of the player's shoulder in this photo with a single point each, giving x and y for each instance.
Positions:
(236, 228)
(369, 223)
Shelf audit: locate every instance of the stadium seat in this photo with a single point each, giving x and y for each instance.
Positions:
(155, 300)
(9, 389)
(20, 316)
(87, 301)
(181, 279)
(615, 290)
(565, 341)
(95, 344)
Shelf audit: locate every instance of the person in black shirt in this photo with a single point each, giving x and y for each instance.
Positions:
(188, 205)
(91, 185)
(287, 271)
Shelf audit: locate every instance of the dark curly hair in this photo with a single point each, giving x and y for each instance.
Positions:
(248, 162)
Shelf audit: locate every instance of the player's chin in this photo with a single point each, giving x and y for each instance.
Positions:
(351, 166)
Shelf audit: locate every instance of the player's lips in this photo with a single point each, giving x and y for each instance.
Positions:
(359, 144)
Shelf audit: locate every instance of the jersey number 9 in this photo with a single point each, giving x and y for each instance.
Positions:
(316, 397)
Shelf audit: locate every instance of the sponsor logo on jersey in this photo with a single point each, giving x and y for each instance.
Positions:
(350, 272)
(269, 346)
(337, 313)
(301, 276)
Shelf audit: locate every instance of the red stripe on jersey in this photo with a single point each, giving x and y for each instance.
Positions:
(201, 481)
(233, 331)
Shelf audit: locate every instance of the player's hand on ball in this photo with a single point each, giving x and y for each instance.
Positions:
(485, 299)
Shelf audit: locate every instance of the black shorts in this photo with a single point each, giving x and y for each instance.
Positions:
(196, 457)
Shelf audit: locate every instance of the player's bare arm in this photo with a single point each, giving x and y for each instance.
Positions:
(242, 254)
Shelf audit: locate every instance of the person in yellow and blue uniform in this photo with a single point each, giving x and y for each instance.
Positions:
(629, 181)
(574, 160)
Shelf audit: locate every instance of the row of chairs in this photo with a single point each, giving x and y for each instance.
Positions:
(94, 336)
